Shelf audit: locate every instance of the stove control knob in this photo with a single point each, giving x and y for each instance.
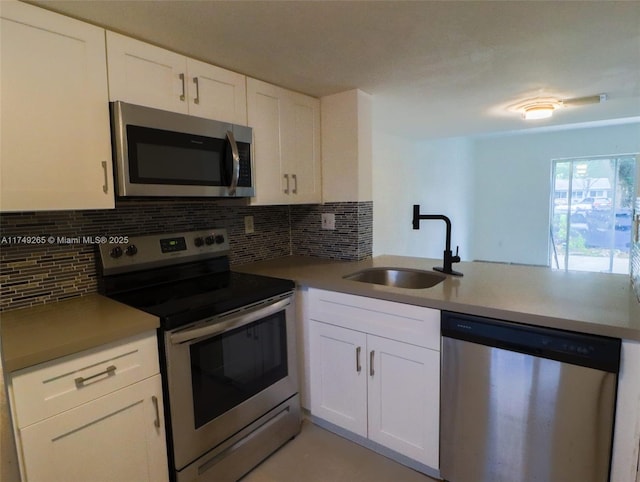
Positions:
(209, 240)
(198, 241)
(219, 239)
(116, 252)
(131, 250)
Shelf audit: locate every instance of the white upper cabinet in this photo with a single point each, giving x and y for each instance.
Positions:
(56, 149)
(303, 158)
(143, 74)
(265, 115)
(140, 73)
(286, 129)
(347, 171)
(216, 93)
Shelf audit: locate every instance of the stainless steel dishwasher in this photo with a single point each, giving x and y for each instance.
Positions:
(525, 404)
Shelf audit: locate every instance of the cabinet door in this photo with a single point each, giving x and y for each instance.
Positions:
(56, 147)
(404, 394)
(339, 376)
(143, 74)
(286, 130)
(115, 437)
(265, 113)
(302, 155)
(216, 93)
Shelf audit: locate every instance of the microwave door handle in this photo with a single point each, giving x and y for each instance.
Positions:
(235, 170)
(233, 322)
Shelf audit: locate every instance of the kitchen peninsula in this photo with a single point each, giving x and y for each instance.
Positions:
(596, 303)
(593, 303)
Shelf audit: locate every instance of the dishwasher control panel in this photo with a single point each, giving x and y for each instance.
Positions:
(583, 349)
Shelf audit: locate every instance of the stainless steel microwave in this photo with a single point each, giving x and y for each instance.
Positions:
(160, 153)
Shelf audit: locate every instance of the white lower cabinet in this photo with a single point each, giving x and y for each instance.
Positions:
(338, 376)
(93, 416)
(404, 391)
(116, 437)
(374, 386)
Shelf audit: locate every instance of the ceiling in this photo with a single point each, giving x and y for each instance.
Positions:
(435, 68)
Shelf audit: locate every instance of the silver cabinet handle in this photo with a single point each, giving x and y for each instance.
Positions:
(154, 399)
(235, 169)
(110, 370)
(105, 186)
(358, 367)
(636, 222)
(197, 98)
(183, 95)
(295, 184)
(286, 191)
(371, 372)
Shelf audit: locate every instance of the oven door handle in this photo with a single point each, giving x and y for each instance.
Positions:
(225, 325)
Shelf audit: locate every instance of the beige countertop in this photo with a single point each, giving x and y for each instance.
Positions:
(34, 335)
(597, 303)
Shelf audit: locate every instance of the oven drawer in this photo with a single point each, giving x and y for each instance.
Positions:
(49, 388)
(247, 448)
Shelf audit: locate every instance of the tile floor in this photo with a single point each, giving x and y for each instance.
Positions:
(317, 455)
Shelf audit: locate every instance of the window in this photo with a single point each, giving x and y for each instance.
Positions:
(591, 229)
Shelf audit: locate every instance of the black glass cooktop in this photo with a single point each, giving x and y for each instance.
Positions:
(178, 302)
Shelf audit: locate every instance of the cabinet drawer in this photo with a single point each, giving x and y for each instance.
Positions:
(49, 388)
(407, 323)
(118, 437)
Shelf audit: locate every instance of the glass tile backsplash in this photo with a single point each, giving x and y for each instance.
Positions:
(45, 257)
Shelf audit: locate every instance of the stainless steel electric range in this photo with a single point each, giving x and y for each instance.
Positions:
(227, 349)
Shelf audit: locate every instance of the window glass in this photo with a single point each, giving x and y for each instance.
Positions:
(591, 227)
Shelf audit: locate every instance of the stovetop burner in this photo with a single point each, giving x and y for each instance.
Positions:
(180, 281)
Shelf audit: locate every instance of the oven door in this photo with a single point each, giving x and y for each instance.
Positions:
(226, 372)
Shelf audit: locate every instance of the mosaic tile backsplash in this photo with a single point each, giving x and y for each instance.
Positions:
(37, 273)
(351, 240)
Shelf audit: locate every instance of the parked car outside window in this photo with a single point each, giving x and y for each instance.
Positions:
(589, 203)
(602, 203)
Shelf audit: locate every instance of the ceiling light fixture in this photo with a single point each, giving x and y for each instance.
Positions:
(538, 111)
(543, 108)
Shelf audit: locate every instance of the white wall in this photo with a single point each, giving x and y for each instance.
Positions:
(496, 190)
(437, 175)
(513, 186)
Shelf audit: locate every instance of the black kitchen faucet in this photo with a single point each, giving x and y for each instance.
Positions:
(448, 258)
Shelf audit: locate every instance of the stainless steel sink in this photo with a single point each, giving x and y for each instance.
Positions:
(397, 277)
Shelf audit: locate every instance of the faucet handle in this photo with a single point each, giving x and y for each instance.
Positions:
(456, 258)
